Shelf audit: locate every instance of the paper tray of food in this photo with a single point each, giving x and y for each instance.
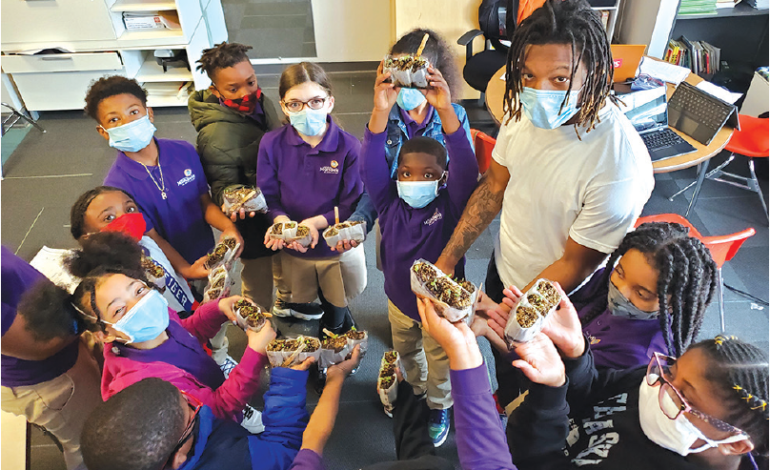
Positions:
(248, 198)
(387, 381)
(453, 299)
(407, 71)
(223, 254)
(250, 316)
(291, 232)
(289, 352)
(352, 230)
(529, 314)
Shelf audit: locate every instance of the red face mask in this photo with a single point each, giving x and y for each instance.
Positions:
(132, 224)
(246, 104)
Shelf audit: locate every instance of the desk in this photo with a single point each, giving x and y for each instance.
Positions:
(494, 101)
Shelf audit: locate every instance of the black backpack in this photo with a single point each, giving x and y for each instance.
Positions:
(497, 19)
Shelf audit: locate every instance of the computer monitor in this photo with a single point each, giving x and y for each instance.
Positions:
(646, 109)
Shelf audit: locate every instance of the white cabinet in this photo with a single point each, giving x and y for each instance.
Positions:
(94, 32)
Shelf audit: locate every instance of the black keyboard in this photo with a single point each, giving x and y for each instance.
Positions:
(661, 139)
(696, 113)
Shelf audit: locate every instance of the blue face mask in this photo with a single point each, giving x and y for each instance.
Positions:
(309, 121)
(620, 306)
(409, 98)
(132, 137)
(542, 106)
(418, 194)
(146, 320)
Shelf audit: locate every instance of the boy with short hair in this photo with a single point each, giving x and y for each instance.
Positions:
(418, 213)
(231, 117)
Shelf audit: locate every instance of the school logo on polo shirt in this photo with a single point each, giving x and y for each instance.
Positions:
(331, 169)
(188, 177)
(434, 218)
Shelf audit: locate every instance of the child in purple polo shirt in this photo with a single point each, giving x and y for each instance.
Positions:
(418, 213)
(305, 170)
(164, 176)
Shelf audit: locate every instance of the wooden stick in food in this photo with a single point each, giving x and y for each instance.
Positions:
(336, 215)
(291, 358)
(422, 45)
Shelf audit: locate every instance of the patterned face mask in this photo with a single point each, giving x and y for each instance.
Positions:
(247, 104)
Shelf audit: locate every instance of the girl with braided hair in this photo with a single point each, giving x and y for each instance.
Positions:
(650, 297)
(706, 409)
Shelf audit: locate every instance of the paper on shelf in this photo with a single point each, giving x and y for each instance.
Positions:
(664, 71)
(722, 93)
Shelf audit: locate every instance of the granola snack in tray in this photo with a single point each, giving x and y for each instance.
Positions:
(333, 351)
(291, 232)
(453, 299)
(290, 352)
(528, 315)
(248, 198)
(351, 230)
(407, 71)
(218, 286)
(155, 272)
(387, 381)
(250, 315)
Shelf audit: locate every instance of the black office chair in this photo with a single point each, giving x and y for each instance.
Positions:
(496, 20)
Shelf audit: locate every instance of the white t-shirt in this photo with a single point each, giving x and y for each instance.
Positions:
(560, 187)
(50, 262)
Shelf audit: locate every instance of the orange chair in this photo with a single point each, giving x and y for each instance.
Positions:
(722, 247)
(484, 145)
(751, 141)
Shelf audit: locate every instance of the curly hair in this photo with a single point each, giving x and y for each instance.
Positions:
(79, 209)
(108, 249)
(573, 23)
(106, 87)
(222, 56)
(437, 52)
(739, 373)
(48, 312)
(686, 274)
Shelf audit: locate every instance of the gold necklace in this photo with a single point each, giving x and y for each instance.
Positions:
(162, 186)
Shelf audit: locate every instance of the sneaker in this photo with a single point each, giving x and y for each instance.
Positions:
(252, 420)
(306, 312)
(280, 309)
(438, 426)
(227, 366)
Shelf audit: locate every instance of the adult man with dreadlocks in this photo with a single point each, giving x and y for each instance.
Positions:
(569, 171)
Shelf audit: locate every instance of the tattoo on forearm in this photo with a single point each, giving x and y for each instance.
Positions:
(482, 207)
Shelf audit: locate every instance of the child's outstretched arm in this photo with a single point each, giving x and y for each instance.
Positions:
(322, 421)
(180, 265)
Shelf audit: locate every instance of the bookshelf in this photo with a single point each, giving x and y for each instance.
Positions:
(98, 43)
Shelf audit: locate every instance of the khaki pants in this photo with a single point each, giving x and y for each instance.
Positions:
(60, 405)
(257, 280)
(340, 278)
(425, 362)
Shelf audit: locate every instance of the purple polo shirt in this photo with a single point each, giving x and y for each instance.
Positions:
(408, 233)
(616, 342)
(412, 127)
(300, 181)
(17, 278)
(179, 218)
(182, 350)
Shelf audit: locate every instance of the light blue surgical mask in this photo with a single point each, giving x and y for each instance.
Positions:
(418, 194)
(409, 98)
(620, 306)
(542, 106)
(132, 137)
(309, 121)
(147, 319)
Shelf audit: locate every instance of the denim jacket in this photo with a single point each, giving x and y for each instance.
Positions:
(397, 134)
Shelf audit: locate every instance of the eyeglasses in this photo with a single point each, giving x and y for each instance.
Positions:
(296, 106)
(195, 405)
(659, 372)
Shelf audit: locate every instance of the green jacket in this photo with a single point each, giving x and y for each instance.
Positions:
(228, 143)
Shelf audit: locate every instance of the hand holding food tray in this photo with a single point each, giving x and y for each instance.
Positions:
(453, 300)
(290, 352)
(408, 71)
(387, 381)
(291, 232)
(351, 230)
(250, 316)
(529, 314)
(238, 196)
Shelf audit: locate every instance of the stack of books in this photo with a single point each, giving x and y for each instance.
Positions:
(697, 7)
(727, 3)
(699, 56)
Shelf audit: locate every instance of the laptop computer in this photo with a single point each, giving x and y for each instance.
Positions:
(625, 60)
(699, 114)
(648, 112)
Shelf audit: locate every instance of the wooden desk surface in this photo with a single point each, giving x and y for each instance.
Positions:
(494, 101)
